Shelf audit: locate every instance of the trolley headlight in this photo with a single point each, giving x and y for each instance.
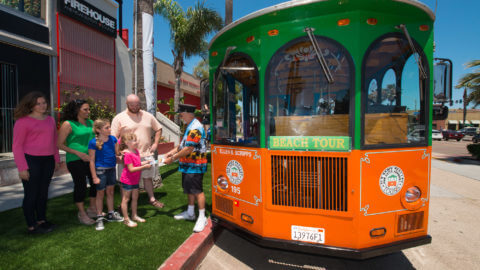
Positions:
(222, 182)
(412, 194)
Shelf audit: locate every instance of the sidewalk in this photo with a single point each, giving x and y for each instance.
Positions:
(12, 196)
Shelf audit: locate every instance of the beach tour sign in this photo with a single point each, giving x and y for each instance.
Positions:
(310, 143)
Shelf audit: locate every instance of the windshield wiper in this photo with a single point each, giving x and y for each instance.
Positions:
(423, 74)
(318, 52)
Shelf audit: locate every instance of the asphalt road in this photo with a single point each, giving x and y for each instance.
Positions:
(451, 147)
(453, 225)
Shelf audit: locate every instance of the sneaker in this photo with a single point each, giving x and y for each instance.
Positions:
(130, 223)
(114, 217)
(99, 226)
(200, 224)
(184, 216)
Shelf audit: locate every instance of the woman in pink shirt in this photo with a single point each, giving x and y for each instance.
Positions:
(36, 155)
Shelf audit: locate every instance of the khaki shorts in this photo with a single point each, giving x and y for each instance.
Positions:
(152, 172)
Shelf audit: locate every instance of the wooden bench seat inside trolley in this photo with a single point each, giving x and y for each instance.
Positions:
(379, 127)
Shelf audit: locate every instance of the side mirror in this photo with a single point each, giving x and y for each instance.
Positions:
(442, 81)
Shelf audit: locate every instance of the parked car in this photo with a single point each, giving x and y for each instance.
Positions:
(417, 135)
(476, 138)
(468, 131)
(452, 134)
(436, 135)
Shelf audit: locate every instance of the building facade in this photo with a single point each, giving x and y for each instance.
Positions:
(190, 86)
(58, 47)
(455, 120)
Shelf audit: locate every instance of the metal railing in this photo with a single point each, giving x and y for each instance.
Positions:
(8, 101)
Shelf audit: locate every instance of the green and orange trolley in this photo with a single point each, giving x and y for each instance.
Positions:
(321, 118)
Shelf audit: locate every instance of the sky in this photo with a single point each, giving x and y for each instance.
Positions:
(456, 31)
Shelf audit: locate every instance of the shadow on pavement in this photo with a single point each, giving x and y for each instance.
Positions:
(257, 257)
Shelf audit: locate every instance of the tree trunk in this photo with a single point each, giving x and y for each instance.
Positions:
(178, 69)
(147, 7)
(228, 11)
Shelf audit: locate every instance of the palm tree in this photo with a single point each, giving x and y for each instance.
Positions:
(471, 81)
(201, 70)
(188, 31)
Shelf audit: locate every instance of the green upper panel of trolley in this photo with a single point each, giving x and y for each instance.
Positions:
(302, 10)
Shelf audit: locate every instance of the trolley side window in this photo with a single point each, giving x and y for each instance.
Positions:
(394, 94)
(300, 99)
(236, 102)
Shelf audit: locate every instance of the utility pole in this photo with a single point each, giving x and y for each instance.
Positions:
(464, 106)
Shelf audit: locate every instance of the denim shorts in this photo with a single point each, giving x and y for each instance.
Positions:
(128, 187)
(108, 177)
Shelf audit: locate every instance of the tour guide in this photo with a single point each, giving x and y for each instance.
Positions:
(193, 164)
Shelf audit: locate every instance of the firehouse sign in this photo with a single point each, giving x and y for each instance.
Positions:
(391, 180)
(235, 172)
(89, 15)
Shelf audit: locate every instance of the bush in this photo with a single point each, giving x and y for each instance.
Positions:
(474, 150)
(99, 109)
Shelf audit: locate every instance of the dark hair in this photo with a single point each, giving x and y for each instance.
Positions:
(26, 104)
(70, 111)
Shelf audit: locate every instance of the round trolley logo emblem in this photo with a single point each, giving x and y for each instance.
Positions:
(391, 180)
(235, 172)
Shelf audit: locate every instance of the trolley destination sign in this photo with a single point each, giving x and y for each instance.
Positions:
(314, 143)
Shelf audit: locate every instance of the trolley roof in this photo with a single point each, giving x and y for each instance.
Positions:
(296, 3)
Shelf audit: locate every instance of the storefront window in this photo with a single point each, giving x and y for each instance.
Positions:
(394, 94)
(236, 102)
(35, 8)
(300, 100)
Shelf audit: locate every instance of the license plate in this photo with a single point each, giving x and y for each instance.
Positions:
(308, 234)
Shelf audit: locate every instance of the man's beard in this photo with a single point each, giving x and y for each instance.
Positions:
(135, 111)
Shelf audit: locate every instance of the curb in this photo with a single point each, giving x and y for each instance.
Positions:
(192, 251)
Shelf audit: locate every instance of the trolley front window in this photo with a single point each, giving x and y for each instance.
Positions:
(236, 102)
(300, 100)
(394, 93)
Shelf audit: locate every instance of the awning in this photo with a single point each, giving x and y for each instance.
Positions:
(453, 122)
(475, 122)
(466, 122)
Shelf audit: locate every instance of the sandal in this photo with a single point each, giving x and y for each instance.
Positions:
(91, 213)
(138, 219)
(157, 204)
(85, 220)
(130, 223)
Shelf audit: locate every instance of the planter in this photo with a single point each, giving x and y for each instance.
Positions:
(164, 148)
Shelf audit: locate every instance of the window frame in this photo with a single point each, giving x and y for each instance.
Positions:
(364, 93)
(28, 17)
(352, 70)
(255, 144)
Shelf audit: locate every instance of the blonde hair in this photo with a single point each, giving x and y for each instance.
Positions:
(98, 125)
(125, 138)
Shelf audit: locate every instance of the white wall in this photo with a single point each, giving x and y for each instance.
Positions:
(123, 73)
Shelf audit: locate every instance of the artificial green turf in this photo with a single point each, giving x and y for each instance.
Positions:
(76, 246)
